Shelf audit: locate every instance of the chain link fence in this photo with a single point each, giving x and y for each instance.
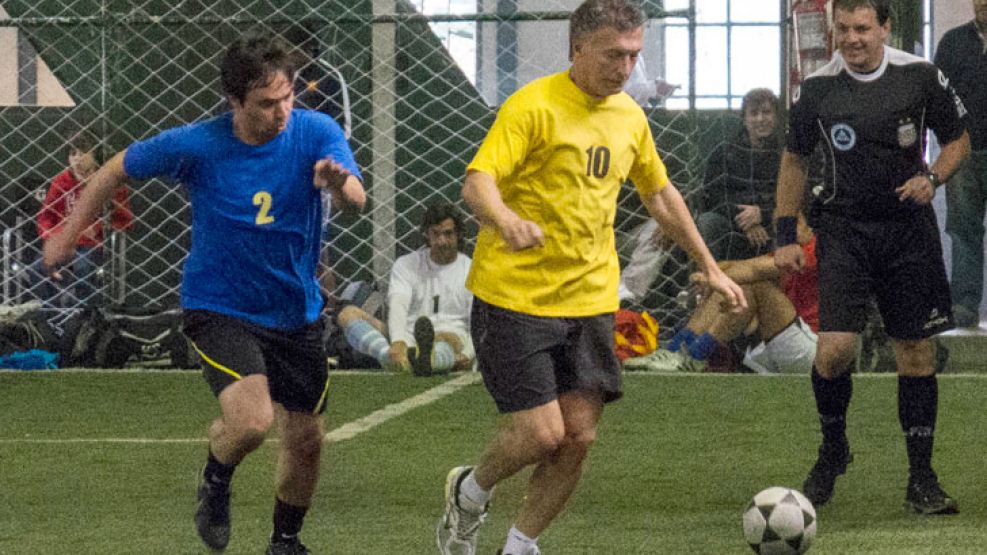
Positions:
(125, 70)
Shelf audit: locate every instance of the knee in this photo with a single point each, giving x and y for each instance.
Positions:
(915, 358)
(348, 314)
(250, 430)
(578, 442)
(306, 444)
(545, 441)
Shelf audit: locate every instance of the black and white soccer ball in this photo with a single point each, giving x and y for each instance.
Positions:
(780, 521)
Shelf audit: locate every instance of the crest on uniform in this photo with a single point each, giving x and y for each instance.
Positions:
(907, 133)
(843, 136)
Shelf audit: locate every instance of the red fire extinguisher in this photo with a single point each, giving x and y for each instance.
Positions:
(811, 37)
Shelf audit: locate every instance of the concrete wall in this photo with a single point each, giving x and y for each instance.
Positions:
(947, 14)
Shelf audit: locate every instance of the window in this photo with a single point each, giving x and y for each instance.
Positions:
(927, 28)
(459, 37)
(738, 48)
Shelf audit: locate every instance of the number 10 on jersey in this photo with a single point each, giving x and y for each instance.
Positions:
(597, 161)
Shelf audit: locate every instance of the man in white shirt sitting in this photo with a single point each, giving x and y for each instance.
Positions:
(428, 305)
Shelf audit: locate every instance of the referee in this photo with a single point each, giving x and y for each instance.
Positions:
(869, 109)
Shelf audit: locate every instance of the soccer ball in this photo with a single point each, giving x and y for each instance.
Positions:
(779, 521)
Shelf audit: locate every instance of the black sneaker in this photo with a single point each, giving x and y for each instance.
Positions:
(212, 515)
(424, 334)
(832, 461)
(925, 496)
(287, 547)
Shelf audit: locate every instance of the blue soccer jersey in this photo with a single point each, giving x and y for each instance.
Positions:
(256, 216)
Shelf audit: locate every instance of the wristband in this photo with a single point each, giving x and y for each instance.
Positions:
(786, 231)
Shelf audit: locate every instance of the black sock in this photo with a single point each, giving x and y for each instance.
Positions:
(918, 402)
(218, 473)
(832, 401)
(287, 520)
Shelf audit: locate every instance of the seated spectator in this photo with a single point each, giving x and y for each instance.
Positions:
(783, 311)
(651, 250)
(60, 200)
(735, 205)
(428, 305)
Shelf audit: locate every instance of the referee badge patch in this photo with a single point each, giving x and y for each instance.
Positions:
(907, 133)
(843, 136)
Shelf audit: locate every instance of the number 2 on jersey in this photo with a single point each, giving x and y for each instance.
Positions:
(263, 200)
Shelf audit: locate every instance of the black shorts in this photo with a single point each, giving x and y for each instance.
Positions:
(528, 361)
(293, 361)
(899, 264)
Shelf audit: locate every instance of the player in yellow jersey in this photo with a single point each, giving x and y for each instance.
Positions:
(544, 187)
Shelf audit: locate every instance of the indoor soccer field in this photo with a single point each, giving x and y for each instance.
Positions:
(106, 462)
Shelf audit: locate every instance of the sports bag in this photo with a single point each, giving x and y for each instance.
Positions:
(109, 337)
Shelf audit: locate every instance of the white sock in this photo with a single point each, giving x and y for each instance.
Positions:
(443, 356)
(517, 542)
(472, 493)
(365, 338)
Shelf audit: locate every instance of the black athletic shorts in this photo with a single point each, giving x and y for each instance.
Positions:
(293, 361)
(528, 361)
(897, 263)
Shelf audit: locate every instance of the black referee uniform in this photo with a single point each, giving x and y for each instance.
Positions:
(871, 128)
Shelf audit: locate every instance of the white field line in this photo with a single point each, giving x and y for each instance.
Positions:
(342, 433)
(378, 417)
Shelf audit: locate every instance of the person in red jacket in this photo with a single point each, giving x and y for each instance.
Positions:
(81, 286)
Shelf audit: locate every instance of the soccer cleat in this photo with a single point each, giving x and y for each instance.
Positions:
(424, 333)
(832, 462)
(457, 529)
(663, 360)
(287, 547)
(212, 515)
(925, 496)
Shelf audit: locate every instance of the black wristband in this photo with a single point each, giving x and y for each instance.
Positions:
(786, 231)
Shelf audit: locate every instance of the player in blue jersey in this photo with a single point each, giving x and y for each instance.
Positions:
(249, 290)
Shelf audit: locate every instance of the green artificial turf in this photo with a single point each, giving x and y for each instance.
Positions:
(107, 462)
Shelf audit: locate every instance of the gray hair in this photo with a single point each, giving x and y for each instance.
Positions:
(592, 15)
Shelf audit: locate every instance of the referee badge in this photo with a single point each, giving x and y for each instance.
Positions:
(843, 136)
(907, 133)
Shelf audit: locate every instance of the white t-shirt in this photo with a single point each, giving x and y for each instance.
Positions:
(420, 287)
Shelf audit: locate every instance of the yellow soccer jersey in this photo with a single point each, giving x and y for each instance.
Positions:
(559, 157)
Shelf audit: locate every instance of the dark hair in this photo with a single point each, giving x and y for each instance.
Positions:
(438, 212)
(592, 15)
(254, 61)
(881, 7)
(756, 97)
(82, 141)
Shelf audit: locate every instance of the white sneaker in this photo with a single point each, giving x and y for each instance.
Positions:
(457, 529)
(531, 550)
(663, 360)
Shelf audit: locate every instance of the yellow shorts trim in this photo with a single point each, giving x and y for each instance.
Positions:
(322, 398)
(217, 365)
